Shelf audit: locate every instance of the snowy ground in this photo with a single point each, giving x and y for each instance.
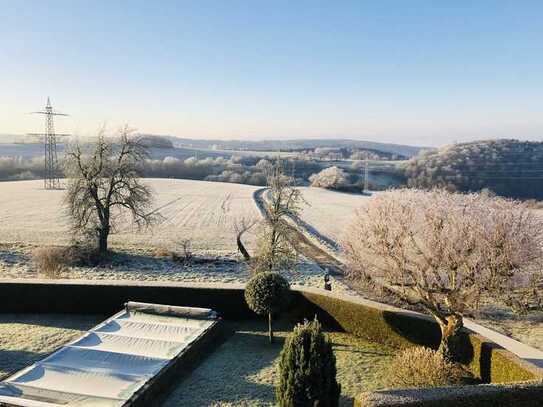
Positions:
(330, 212)
(203, 212)
(197, 210)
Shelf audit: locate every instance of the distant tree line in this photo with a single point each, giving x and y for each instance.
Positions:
(236, 169)
(348, 153)
(508, 168)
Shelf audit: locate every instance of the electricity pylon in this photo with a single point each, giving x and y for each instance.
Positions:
(51, 177)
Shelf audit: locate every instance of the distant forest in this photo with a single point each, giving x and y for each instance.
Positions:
(509, 168)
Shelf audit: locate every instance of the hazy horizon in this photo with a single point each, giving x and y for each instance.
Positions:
(415, 73)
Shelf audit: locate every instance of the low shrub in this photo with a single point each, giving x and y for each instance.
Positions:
(161, 252)
(423, 367)
(51, 261)
(307, 369)
(266, 294)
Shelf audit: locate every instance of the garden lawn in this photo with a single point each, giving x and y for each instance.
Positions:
(243, 370)
(26, 338)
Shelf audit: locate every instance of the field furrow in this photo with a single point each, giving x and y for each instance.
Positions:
(197, 210)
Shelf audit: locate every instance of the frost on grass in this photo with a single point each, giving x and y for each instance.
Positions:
(330, 212)
(145, 265)
(26, 338)
(243, 370)
(203, 212)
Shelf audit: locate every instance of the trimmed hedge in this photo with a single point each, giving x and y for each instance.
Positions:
(108, 297)
(493, 364)
(376, 324)
(487, 360)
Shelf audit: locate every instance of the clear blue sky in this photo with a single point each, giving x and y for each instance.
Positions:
(418, 72)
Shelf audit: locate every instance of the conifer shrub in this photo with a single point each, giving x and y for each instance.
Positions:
(423, 367)
(267, 294)
(307, 369)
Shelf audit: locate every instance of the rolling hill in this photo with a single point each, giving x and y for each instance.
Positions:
(510, 168)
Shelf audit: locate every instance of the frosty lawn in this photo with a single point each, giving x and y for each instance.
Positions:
(242, 371)
(26, 338)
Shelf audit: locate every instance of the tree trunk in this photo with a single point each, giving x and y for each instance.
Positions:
(450, 326)
(242, 249)
(270, 331)
(102, 241)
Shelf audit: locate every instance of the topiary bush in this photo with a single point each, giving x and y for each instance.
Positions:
(423, 367)
(307, 369)
(266, 294)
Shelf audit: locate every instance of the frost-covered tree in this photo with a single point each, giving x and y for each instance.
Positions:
(104, 184)
(276, 247)
(443, 251)
(331, 177)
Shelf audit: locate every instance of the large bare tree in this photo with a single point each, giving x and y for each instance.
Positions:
(104, 185)
(443, 252)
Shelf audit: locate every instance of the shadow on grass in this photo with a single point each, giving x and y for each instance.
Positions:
(12, 257)
(240, 370)
(150, 261)
(243, 370)
(65, 321)
(12, 361)
(338, 347)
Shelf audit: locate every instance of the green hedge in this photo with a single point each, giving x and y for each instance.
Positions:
(493, 364)
(363, 320)
(486, 360)
(103, 297)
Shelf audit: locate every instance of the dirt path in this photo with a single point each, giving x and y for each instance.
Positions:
(302, 243)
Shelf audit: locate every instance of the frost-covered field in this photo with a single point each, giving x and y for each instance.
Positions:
(330, 212)
(203, 212)
(197, 210)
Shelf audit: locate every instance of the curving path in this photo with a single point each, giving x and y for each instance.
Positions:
(302, 243)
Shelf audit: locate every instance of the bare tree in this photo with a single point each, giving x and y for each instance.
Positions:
(104, 184)
(443, 251)
(276, 247)
(242, 225)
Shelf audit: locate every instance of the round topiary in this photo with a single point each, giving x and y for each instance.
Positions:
(307, 369)
(266, 293)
